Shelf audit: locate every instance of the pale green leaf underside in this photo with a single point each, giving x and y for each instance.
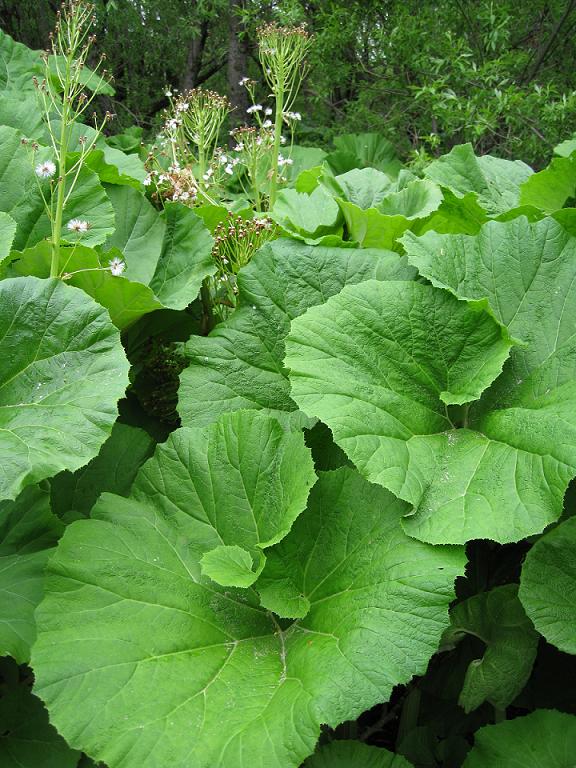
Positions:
(28, 533)
(306, 216)
(548, 585)
(240, 364)
(527, 274)
(63, 371)
(355, 754)
(498, 619)
(543, 739)
(378, 363)
(125, 601)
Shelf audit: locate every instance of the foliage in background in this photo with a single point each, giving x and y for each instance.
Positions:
(427, 75)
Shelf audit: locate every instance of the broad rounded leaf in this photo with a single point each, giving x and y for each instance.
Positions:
(240, 364)
(63, 371)
(496, 182)
(379, 364)
(498, 619)
(526, 272)
(185, 260)
(126, 301)
(552, 187)
(28, 533)
(548, 585)
(307, 217)
(366, 150)
(543, 739)
(354, 754)
(139, 232)
(243, 478)
(127, 611)
(364, 187)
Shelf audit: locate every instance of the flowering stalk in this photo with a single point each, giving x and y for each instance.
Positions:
(65, 96)
(236, 240)
(282, 52)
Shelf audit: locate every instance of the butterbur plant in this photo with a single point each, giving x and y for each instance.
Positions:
(282, 51)
(296, 490)
(65, 94)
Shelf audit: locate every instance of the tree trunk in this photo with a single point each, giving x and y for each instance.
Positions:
(237, 64)
(191, 76)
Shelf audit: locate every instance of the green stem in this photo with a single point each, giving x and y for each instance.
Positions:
(409, 715)
(61, 188)
(499, 715)
(207, 322)
(276, 149)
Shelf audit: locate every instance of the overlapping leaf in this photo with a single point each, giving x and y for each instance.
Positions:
(523, 452)
(495, 182)
(384, 365)
(240, 364)
(62, 374)
(28, 533)
(498, 619)
(237, 689)
(354, 754)
(548, 585)
(543, 739)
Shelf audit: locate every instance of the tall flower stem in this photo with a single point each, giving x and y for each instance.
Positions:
(61, 185)
(276, 147)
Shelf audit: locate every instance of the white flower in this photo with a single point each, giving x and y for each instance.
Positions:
(78, 225)
(254, 108)
(182, 107)
(116, 266)
(222, 159)
(282, 139)
(207, 175)
(229, 169)
(46, 170)
(147, 181)
(244, 81)
(293, 115)
(239, 147)
(284, 160)
(168, 93)
(268, 111)
(267, 124)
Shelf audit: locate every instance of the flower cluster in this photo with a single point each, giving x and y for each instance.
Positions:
(236, 240)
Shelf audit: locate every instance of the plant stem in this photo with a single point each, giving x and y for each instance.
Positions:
(276, 149)
(61, 187)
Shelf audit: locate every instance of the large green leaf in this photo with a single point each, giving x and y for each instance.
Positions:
(125, 300)
(498, 619)
(17, 65)
(380, 364)
(139, 232)
(548, 585)
(232, 687)
(526, 423)
(354, 754)
(496, 182)
(364, 150)
(242, 478)
(551, 188)
(73, 494)
(28, 533)
(382, 226)
(185, 259)
(21, 198)
(240, 364)
(63, 370)
(27, 740)
(307, 217)
(543, 739)
(365, 187)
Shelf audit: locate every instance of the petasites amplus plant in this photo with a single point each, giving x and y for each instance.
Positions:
(288, 490)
